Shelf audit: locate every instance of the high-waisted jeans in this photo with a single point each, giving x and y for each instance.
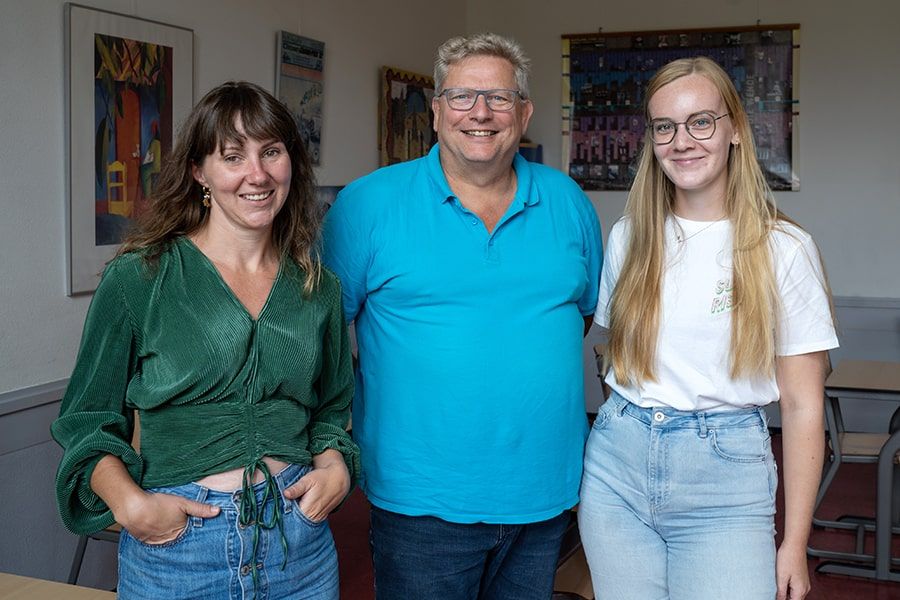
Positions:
(211, 559)
(679, 505)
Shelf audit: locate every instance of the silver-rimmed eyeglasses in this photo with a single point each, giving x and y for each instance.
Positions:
(465, 98)
(700, 126)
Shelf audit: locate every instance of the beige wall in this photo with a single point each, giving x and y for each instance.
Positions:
(847, 86)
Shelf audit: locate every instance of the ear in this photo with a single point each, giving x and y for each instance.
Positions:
(527, 111)
(197, 173)
(436, 109)
(735, 139)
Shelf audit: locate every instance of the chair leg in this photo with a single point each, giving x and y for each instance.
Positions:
(75, 569)
(831, 469)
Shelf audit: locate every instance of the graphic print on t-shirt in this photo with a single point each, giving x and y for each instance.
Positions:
(722, 300)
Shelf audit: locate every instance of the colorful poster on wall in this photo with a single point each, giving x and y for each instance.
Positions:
(604, 77)
(133, 124)
(299, 84)
(405, 129)
(129, 83)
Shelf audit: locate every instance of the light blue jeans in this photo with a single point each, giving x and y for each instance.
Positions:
(211, 559)
(679, 505)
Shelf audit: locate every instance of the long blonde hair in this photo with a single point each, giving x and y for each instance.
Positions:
(749, 205)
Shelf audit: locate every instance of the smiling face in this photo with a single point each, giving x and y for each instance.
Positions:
(248, 183)
(697, 168)
(480, 138)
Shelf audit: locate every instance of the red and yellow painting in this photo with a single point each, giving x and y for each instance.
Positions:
(133, 129)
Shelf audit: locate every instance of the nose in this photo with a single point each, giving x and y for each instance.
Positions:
(256, 171)
(682, 138)
(481, 110)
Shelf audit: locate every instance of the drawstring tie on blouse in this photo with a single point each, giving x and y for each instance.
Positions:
(254, 513)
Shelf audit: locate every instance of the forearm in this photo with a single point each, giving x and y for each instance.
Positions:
(803, 450)
(327, 458)
(111, 481)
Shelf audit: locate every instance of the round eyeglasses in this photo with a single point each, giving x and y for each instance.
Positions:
(700, 126)
(465, 98)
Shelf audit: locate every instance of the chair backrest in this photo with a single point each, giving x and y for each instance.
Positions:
(602, 367)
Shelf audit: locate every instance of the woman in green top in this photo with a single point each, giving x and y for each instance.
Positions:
(218, 326)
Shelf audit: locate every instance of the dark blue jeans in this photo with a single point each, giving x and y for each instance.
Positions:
(426, 558)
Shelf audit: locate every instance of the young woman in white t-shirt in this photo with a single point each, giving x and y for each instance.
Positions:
(716, 305)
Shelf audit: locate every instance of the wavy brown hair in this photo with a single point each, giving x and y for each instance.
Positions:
(749, 205)
(176, 208)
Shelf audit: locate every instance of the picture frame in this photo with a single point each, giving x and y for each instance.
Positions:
(406, 119)
(128, 85)
(604, 76)
(299, 84)
(326, 195)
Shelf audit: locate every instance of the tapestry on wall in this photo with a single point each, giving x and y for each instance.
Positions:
(406, 119)
(604, 76)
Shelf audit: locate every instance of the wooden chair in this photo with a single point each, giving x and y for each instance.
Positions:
(111, 533)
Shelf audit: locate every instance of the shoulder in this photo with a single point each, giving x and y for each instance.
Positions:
(561, 192)
(378, 186)
(620, 231)
(787, 239)
(129, 269)
(330, 285)
(136, 273)
(328, 288)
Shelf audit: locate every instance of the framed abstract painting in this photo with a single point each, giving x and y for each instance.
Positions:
(129, 84)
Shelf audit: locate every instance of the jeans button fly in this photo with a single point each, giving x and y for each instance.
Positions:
(659, 417)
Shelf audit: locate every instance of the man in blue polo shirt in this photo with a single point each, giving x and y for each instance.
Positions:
(472, 277)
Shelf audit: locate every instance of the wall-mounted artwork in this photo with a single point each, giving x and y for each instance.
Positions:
(406, 120)
(605, 75)
(298, 84)
(129, 83)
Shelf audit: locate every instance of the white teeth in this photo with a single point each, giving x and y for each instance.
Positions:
(262, 196)
(480, 133)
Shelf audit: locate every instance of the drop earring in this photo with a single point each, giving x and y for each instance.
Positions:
(206, 197)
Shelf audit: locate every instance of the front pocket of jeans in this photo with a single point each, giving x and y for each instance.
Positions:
(302, 516)
(603, 415)
(173, 542)
(739, 445)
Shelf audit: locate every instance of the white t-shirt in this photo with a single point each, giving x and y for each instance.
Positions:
(694, 340)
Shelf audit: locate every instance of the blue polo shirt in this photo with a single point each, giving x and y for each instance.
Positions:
(469, 402)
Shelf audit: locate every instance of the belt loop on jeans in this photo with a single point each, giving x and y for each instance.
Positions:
(701, 419)
(201, 497)
(286, 504)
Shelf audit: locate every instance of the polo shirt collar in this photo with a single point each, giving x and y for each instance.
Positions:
(526, 195)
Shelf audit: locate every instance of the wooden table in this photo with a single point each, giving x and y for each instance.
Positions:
(874, 381)
(16, 587)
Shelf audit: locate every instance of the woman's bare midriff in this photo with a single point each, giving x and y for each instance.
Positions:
(230, 481)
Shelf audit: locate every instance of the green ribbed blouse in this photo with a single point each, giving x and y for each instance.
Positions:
(215, 389)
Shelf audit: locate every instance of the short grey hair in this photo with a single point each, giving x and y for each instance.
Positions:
(460, 48)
